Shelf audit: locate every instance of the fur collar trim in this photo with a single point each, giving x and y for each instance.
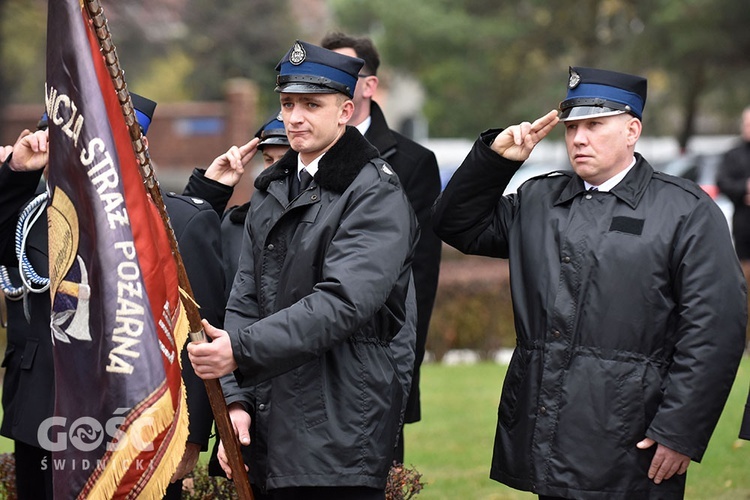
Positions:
(337, 169)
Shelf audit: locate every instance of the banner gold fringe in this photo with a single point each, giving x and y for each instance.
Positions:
(159, 480)
(162, 416)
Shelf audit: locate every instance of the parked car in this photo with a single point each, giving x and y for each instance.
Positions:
(701, 168)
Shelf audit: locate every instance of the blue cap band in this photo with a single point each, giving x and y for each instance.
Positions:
(143, 120)
(589, 94)
(338, 80)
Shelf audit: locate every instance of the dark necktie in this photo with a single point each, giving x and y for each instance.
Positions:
(299, 185)
(304, 180)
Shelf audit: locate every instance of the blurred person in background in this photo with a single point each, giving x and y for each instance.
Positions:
(733, 180)
(417, 169)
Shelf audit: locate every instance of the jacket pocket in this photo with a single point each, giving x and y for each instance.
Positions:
(29, 353)
(517, 369)
(310, 396)
(602, 406)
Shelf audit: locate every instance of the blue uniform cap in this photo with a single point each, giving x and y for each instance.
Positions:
(144, 110)
(43, 122)
(309, 69)
(603, 93)
(272, 133)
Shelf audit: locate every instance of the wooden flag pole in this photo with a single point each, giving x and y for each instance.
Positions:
(213, 387)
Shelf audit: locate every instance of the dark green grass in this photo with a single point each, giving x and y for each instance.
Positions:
(452, 445)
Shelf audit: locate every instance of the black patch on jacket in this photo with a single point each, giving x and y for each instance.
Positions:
(627, 225)
(336, 170)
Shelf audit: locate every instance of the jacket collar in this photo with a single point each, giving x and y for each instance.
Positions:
(379, 134)
(630, 190)
(337, 169)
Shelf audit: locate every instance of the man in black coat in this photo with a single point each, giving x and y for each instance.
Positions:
(417, 169)
(28, 387)
(321, 295)
(629, 304)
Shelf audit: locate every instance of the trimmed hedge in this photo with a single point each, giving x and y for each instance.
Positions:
(472, 307)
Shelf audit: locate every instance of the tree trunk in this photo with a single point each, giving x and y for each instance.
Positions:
(695, 82)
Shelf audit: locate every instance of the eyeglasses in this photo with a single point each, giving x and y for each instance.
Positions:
(362, 75)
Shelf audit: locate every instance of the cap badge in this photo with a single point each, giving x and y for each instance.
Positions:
(297, 56)
(387, 170)
(574, 80)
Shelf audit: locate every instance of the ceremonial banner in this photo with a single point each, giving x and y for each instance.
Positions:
(120, 421)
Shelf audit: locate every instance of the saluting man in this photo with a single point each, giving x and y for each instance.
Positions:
(629, 301)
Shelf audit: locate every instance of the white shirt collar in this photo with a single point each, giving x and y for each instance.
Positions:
(312, 168)
(610, 183)
(365, 125)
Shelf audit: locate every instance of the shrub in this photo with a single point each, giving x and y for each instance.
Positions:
(403, 483)
(198, 485)
(473, 308)
(7, 476)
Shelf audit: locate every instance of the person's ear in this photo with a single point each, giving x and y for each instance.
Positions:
(347, 110)
(370, 86)
(634, 130)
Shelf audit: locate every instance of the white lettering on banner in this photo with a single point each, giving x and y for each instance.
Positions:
(101, 169)
(129, 317)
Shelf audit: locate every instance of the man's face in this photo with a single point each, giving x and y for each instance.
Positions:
(314, 122)
(601, 147)
(273, 153)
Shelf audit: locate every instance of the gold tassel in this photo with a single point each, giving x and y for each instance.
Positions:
(162, 416)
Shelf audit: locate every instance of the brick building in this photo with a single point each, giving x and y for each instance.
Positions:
(183, 136)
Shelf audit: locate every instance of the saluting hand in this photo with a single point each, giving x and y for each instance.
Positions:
(229, 167)
(213, 359)
(517, 142)
(30, 152)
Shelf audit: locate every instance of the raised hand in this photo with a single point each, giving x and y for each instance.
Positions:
(30, 152)
(229, 167)
(516, 142)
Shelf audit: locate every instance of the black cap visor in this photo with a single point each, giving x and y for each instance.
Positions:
(584, 112)
(273, 141)
(581, 108)
(309, 84)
